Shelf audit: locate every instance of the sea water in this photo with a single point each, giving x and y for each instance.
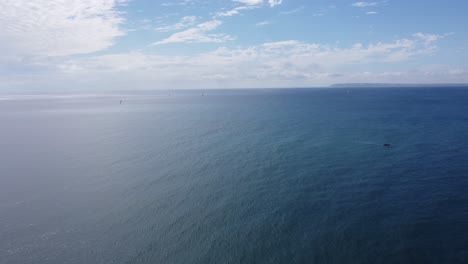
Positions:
(235, 176)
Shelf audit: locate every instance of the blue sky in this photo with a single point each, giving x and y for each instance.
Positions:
(143, 44)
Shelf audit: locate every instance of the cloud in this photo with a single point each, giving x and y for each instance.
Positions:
(366, 4)
(197, 34)
(248, 5)
(325, 55)
(263, 23)
(371, 13)
(200, 33)
(280, 44)
(272, 64)
(58, 27)
(235, 11)
(182, 3)
(184, 22)
(250, 2)
(274, 3)
(428, 37)
(290, 12)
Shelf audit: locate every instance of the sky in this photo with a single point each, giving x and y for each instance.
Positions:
(68, 45)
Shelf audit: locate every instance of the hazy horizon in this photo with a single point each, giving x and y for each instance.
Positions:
(97, 92)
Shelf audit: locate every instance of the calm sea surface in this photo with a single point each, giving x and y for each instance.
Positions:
(246, 176)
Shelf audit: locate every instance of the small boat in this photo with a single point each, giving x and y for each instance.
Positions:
(387, 145)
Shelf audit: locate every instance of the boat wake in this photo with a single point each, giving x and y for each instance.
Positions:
(369, 143)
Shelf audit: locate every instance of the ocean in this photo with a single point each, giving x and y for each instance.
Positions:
(235, 176)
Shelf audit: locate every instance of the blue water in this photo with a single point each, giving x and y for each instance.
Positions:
(246, 176)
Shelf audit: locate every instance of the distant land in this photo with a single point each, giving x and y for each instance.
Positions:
(357, 85)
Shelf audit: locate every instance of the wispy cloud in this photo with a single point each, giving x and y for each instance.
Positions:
(263, 23)
(198, 34)
(201, 32)
(366, 4)
(181, 3)
(274, 3)
(235, 11)
(59, 27)
(371, 13)
(429, 38)
(292, 11)
(274, 62)
(271, 64)
(184, 22)
(248, 5)
(299, 54)
(250, 2)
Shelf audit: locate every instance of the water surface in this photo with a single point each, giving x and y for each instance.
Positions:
(235, 176)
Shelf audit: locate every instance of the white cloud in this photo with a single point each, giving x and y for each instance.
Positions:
(365, 4)
(273, 3)
(328, 56)
(428, 37)
(371, 13)
(200, 33)
(184, 22)
(197, 34)
(250, 2)
(273, 64)
(182, 3)
(58, 27)
(290, 12)
(263, 23)
(236, 11)
(281, 44)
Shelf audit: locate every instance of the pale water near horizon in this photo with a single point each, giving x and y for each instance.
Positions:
(235, 176)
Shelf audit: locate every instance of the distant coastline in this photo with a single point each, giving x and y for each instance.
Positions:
(376, 85)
